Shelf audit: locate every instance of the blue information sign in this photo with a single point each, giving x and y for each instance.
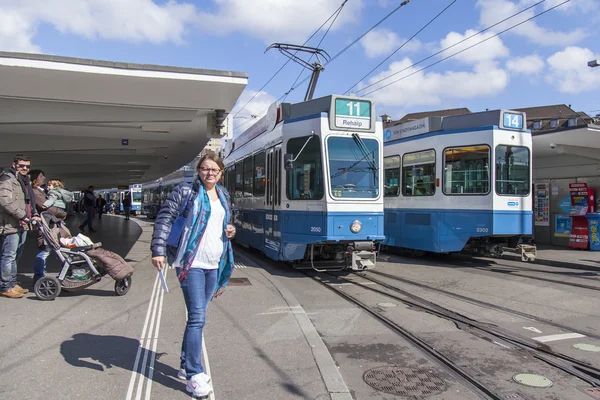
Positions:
(512, 121)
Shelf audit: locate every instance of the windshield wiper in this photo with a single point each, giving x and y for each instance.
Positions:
(363, 148)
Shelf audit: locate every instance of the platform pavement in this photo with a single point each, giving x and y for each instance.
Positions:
(260, 343)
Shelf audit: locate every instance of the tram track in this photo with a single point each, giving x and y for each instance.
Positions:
(495, 335)
(460, 373)
(540, 351)
(479, 303)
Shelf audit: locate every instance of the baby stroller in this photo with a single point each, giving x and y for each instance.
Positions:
(83, 266)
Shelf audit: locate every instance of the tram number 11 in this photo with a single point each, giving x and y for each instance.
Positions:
(355, 104)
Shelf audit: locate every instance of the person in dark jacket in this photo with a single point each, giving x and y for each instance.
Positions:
(100, 204)
(17, 213)
(127, 204)
(38, 178)
(89, 202)
(203, 257)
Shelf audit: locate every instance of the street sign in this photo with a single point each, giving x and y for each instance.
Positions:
(351, 113)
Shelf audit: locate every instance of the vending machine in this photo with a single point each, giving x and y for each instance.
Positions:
(582, 203)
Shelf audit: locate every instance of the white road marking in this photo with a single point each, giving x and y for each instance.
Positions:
(134, 370)
(207, 367)
(533, 329)
(560, 336)
(148, 344)
(154, 344)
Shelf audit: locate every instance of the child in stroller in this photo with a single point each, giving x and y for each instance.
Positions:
(82, 267)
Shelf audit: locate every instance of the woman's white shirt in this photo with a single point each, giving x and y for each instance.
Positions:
(211, 245)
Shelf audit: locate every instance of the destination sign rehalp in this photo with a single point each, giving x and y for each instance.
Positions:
(352, 114)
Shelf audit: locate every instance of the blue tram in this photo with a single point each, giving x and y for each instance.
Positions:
(306, 184)
(460, 183)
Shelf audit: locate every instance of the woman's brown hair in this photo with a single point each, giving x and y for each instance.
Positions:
(212, 157)
(217, 160)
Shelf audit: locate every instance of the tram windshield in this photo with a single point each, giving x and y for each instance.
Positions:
(512, 170)
(353, 167)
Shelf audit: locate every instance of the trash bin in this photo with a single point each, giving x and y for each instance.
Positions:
(593, 222)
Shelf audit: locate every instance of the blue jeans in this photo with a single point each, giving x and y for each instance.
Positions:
(198, 288)
(11, 247)
(39, 265)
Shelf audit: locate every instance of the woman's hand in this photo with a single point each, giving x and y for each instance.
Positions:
(218, 293)
(158, 262)
(230, 231)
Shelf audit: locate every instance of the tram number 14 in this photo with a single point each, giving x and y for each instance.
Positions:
(316, 229)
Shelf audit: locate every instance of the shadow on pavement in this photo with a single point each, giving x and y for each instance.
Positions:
(101, 353)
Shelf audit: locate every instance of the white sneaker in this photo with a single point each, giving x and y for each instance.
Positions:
(198, 387)
(183, 375)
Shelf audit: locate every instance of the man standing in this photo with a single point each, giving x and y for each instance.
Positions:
(100, 204)
(127, 204)
(17, 211)
(89, 202)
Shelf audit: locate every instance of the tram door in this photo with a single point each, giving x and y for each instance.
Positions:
(272, 203)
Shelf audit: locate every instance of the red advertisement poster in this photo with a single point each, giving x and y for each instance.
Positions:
(582, 203)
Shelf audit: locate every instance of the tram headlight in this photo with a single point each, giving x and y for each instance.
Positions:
(356, 226)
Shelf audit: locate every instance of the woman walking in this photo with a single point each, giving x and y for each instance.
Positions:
(203, 258)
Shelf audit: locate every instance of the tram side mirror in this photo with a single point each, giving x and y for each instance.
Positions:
(288, 161)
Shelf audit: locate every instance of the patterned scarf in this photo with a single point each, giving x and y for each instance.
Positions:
(198, 219)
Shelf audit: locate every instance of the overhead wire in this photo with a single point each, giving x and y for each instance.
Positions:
(405, 2)
(335, 13)
(317, 46)
(470, 47)
(401, 46)
(459, 42)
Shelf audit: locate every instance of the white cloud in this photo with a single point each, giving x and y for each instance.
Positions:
(276, 20)
(131, 20)
(569, 72)
(433, 88)
(493, 11)
(573, 6)
(16, 33)
(252, 112)
(381, 42)
(528, 65)
(490, 50)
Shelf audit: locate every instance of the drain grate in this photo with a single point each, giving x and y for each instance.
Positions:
(239, 282)
(513, 396)
(404, 381)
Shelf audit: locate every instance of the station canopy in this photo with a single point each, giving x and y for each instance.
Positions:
(108, 124)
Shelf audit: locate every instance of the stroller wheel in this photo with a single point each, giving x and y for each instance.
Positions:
(47, 288)
(122, 286)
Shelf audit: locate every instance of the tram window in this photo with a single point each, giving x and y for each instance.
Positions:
(391, 183)
(260, 177)
(239, 180)
(231, 180)
(278, 177)
(248, 177)
(305, 180)
(418, 173)
(466, 170)
(512, 170)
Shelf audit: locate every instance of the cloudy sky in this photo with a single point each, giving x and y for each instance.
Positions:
(540, 62)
